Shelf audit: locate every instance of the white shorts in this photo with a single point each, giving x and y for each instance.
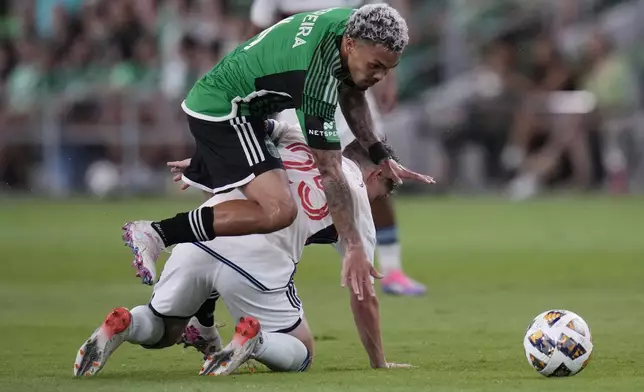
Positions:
(195, 273)
(346, 136)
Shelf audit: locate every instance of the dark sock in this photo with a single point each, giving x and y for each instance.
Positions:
(193, 226)
(206, 313)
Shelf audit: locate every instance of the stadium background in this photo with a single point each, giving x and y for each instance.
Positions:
(89, 114)
(101, 81)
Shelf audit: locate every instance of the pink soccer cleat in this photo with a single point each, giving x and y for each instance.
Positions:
(242, 347)
(397, 283)
(146, 245)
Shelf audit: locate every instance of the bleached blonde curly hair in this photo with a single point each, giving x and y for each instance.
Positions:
(380, 24)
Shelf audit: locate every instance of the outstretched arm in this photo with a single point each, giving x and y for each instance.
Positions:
(356, 111)
(366, 315)
(322, 138)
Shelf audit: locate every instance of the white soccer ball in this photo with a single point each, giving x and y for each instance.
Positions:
(558, 343)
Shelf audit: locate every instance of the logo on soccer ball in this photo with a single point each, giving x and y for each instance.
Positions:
(537, 363)
(552, 317)
(561, 371)
(542, 343)
(575, 326)
(569, 347)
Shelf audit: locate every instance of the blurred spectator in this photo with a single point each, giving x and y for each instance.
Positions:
(25, 81)
(612, 82)
(48, 14)
(543, 146)
(609, 78)
(106, 79)
(490, 113)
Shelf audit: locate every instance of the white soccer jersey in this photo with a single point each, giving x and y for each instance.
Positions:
(271, 258)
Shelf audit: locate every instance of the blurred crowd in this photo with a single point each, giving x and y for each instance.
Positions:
(84, 74)
(91, 66)
(542, 118)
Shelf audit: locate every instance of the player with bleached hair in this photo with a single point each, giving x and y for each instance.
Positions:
(381, 99)
(253, 275)
(308, 62)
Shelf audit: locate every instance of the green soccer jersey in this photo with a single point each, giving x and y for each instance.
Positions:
(292, 64)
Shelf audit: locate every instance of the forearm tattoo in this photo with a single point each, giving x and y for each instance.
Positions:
(358, 115)
(338, 194)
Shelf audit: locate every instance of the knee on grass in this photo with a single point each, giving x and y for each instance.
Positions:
(171, 334)
(153, 332)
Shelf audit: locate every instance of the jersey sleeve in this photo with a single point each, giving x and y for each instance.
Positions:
(262, 13)
(320, 133)
(316, 110)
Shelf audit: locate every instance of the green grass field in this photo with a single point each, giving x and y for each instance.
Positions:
(490, 266)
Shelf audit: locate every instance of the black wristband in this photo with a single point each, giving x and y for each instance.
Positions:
(378, 153)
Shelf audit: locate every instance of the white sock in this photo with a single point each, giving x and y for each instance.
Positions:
(207, 333)
(389, 258)
(146, 328)
(282, 353)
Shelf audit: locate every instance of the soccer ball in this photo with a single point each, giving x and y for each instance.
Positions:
(558, 343)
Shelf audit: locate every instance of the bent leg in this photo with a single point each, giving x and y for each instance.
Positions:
(287, 351)
(269, 207)
(271, 327)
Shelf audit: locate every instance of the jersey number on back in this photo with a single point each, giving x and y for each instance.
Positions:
(304, 189)
(265, 32)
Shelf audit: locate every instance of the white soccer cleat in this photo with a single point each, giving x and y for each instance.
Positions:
(93, 354)
(146, 246)
(237, 352)
(206, 340)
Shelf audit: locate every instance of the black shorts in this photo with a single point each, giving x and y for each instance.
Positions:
(229, 154)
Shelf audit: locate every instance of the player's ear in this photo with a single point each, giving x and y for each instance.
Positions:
(349, 44)
(374, 175)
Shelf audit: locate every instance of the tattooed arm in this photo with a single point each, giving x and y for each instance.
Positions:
(338, 194)
(357, 270)
(356, 111)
